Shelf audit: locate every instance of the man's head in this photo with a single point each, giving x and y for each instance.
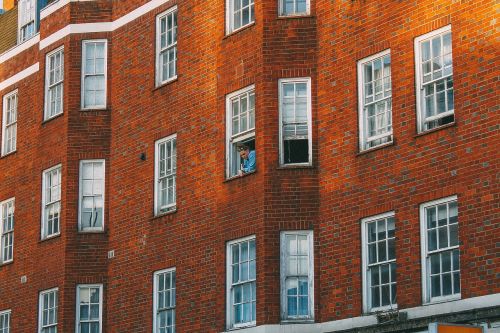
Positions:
(244, 151)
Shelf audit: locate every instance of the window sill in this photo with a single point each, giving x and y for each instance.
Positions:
(381, 310)
(49, 238)
(161, 215)
(445, 299)
(437, 129)
(166, 83)
(243, 28)
(369, 150)
(252, 324)
(7, 263)
(296, 16)
(297, 321)
(8, 154)
(91, 232)
(295, 166)
(45, 121)
(239, 176)
(95, 109)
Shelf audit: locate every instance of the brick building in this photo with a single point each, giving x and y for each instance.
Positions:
(368, 200)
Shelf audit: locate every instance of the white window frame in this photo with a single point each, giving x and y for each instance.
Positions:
(6, 313)
(80, 197)
(242, 136)
(82, 95)
(362, 116)
(23, 21)
(49, 87)
(426, 291)
(41, 309)
(12, 95)
(364, 254)
(4, 205)
(155, 297)
(419, 86)
(282, 9)
(283, 257)
(77, 318)
(230, 324)
(230, 16)
(172, 206)
(281, 82)
(44, 227)
(159, 78)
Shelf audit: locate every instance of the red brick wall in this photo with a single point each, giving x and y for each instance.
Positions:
(330, 197)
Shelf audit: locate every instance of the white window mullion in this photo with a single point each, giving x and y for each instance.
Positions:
(164, 301)
(54, 83)
(92, 188)
(166, 46)
(89, 308)
(47, 312)
(51, 202)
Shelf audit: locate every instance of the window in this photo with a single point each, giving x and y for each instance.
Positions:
(295, 121)
(94, 63)
(164, 301)
(166, 46)
(5, 321)
(165, 174)
(91, 202)
(297, 275)
(26, 20)
(51, 201)
(294, 7)
(239, 14)
(89, 309)
(434, 67)
(241, 289)
(6, 231)
(9, 123)
(379, 262)
(240, 127)
(54, 77)
(47, 312)
(375, 100)
(440, 250)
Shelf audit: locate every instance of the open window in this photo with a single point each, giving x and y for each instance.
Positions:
(240, 127)
(295, 121)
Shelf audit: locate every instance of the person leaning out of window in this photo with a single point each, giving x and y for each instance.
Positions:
(248, 158)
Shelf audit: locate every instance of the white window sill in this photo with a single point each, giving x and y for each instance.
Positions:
(382, 309)
(166, 82)
(295, 15)
(171, 210)
(436, 129)
(444, 299)
(297, 321)
(241, 326)
(9, 153)
(46, 238)
(230, 33)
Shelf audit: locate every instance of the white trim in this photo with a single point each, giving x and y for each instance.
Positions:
(4, 120)
(426, 297)
(281, 10)
(47, 82)
(369, 320)
(283, 296)
(15, 50)
(42, 229)
(13, 199)
(80, 194)
(20, 14)
(364, 259)
(307, 80)
(40, 306)
(155, 292)
(157, 176)
(19, 76)
(82, 84)
(77, 315)
(230, 18)
(229, 124)
(229, 274)
(418, 72)
(363, 138)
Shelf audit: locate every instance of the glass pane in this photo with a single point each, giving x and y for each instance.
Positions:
(386, 297)
(375, 297)
(456, 260)
(375, 276)
(252, 250)
(435, 285)
(446, 261)
(456, 283)
(447, 284)
(432, 240)
(372, 232)
(382, 251)
(435, 264)
(443, 237)
(384, 273)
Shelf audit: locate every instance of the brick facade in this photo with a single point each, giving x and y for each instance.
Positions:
(341, 187)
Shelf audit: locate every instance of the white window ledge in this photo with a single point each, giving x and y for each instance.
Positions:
(363, 321)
